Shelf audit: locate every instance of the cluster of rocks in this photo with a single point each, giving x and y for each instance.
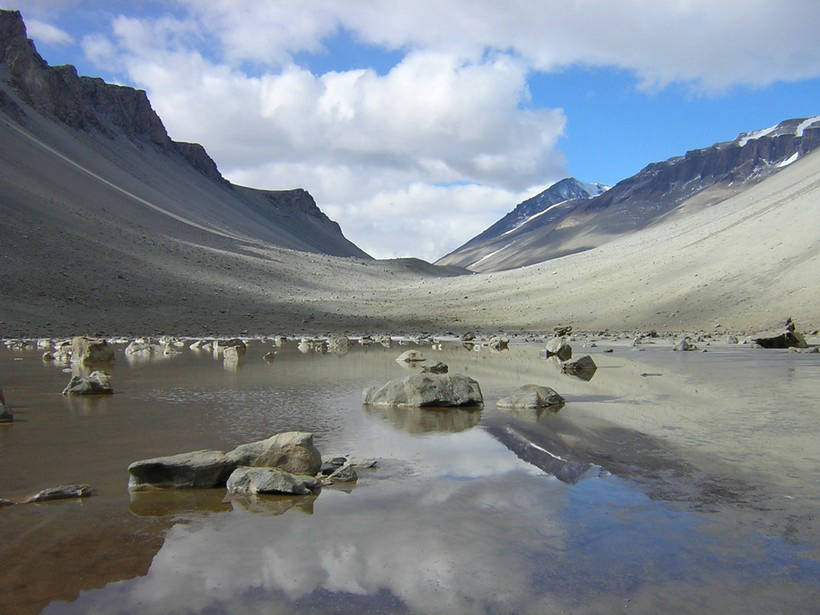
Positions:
(560, 350)
(286, 463)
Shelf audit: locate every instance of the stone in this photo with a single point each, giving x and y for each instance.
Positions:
(253, 480)
(88, 350)
(468, 337)
(787, 339)
(139, 348)
(96, 383)
(338, 344)
(410, 356)
(583, 367)
(4, 502)
(561, 331)
(609, 350)
(197, 345)
(344, 474)
(497, 342)
(62, 492)
(685, 344)
(6, 415)
(731, 339)
(420, 390)
(558, 347)
(220, 346)
(292, 451)
(197, 469)
(436, 368)
(532, 396)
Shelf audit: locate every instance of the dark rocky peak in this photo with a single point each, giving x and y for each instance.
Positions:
(293, 201)
(85, 103)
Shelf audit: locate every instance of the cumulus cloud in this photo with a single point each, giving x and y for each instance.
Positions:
(47, 33)
(417, 159)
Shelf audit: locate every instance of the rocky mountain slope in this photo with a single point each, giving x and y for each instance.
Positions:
(112, 133)
(677, 186)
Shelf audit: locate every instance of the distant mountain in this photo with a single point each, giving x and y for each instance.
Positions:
(114, 136)
(542, 209)
(677, 186)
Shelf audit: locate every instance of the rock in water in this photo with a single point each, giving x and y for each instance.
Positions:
(201, 469)
(685, 344)
(291, 451)
(436, 368)
(62, 492)
(96, 383)
(787, 339)
(338, 344)
(4, 502)
(250, 481)
(88, 350)
(532, 396)
(584, 367)
(344, 474)
(498, 343)
(410, 356)
(558, 347)
(421, 390)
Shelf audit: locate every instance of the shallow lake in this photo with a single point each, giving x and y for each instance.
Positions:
(670, 482)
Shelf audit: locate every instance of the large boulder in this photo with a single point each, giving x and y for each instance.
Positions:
(558, 347)
(250, 481)
(202, 469)
(96, 383)
(89, 350)
(62, 492)
(291, 451)
(426, 389)
(583, 367)
(532, 396)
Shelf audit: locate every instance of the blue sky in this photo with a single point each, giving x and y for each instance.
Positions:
(416, 127)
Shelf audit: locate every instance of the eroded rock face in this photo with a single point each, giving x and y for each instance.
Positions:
(89, 350)
(202, 469)
(532, 396)
(426, 389)
(251, 481)
(62, 492)
(291, 451)
(558, 347)
(96, 383)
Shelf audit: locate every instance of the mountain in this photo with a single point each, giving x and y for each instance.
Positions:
(678, 186)
(111, 135)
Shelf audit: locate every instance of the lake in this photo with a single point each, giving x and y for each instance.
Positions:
(669, 482)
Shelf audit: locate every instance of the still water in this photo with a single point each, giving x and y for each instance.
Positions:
(670, 482)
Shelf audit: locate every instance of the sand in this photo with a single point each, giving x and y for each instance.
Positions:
(100, 237)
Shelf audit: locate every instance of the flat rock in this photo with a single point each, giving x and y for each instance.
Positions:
(197, 469)
(344, 474)
(250, 481)
(532, 396)
(421, 390)
(62, 492)
(291, 451)
(96, 383)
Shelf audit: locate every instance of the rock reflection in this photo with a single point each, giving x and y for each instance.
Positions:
(272, 504)
(87, 405)
(427, 420)
(164, 502)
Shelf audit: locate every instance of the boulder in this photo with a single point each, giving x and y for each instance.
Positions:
(292, 451)
(583, 367)
(89, 350)
(436, 368)
(96, 383)
(410, 356)
(497, 342)
(685, 344)
(532, 396)
(220, 346)
(558, 347)
(201, 469)
(338, 344)
(250, 481)
(344, 474)
(731, 339)
(421, 390)
(787, 339)
(62, 492)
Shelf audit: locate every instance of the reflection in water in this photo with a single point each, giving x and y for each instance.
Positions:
(273, 504)
(427, 420)
(163, 502)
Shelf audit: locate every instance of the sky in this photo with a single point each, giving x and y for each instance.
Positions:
(416, 125)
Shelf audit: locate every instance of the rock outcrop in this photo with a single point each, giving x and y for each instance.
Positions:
(423, 390)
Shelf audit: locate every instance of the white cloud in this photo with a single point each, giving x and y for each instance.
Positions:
(419, 159)
(44, 32)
